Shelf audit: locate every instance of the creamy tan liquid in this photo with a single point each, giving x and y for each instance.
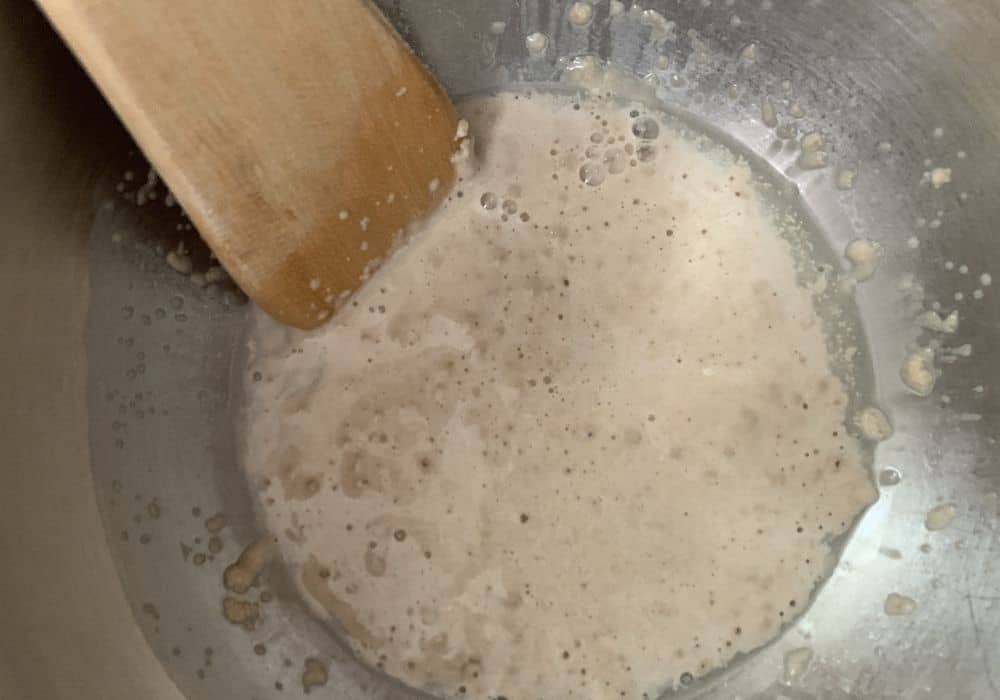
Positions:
(578, 442)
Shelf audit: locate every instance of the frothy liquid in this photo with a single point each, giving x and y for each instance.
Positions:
(578, 438)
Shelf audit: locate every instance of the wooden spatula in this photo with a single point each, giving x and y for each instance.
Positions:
(300, 136)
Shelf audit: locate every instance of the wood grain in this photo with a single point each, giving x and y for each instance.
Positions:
(300, 136)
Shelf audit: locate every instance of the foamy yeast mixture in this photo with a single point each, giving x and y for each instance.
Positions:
(578, 438)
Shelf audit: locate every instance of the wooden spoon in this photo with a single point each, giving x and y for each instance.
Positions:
(300, 136)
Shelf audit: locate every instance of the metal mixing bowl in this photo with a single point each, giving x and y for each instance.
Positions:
(116, 421)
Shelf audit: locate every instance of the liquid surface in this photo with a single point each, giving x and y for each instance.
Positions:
(578, 438)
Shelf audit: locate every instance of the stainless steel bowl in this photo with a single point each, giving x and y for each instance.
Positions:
(117, 439)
